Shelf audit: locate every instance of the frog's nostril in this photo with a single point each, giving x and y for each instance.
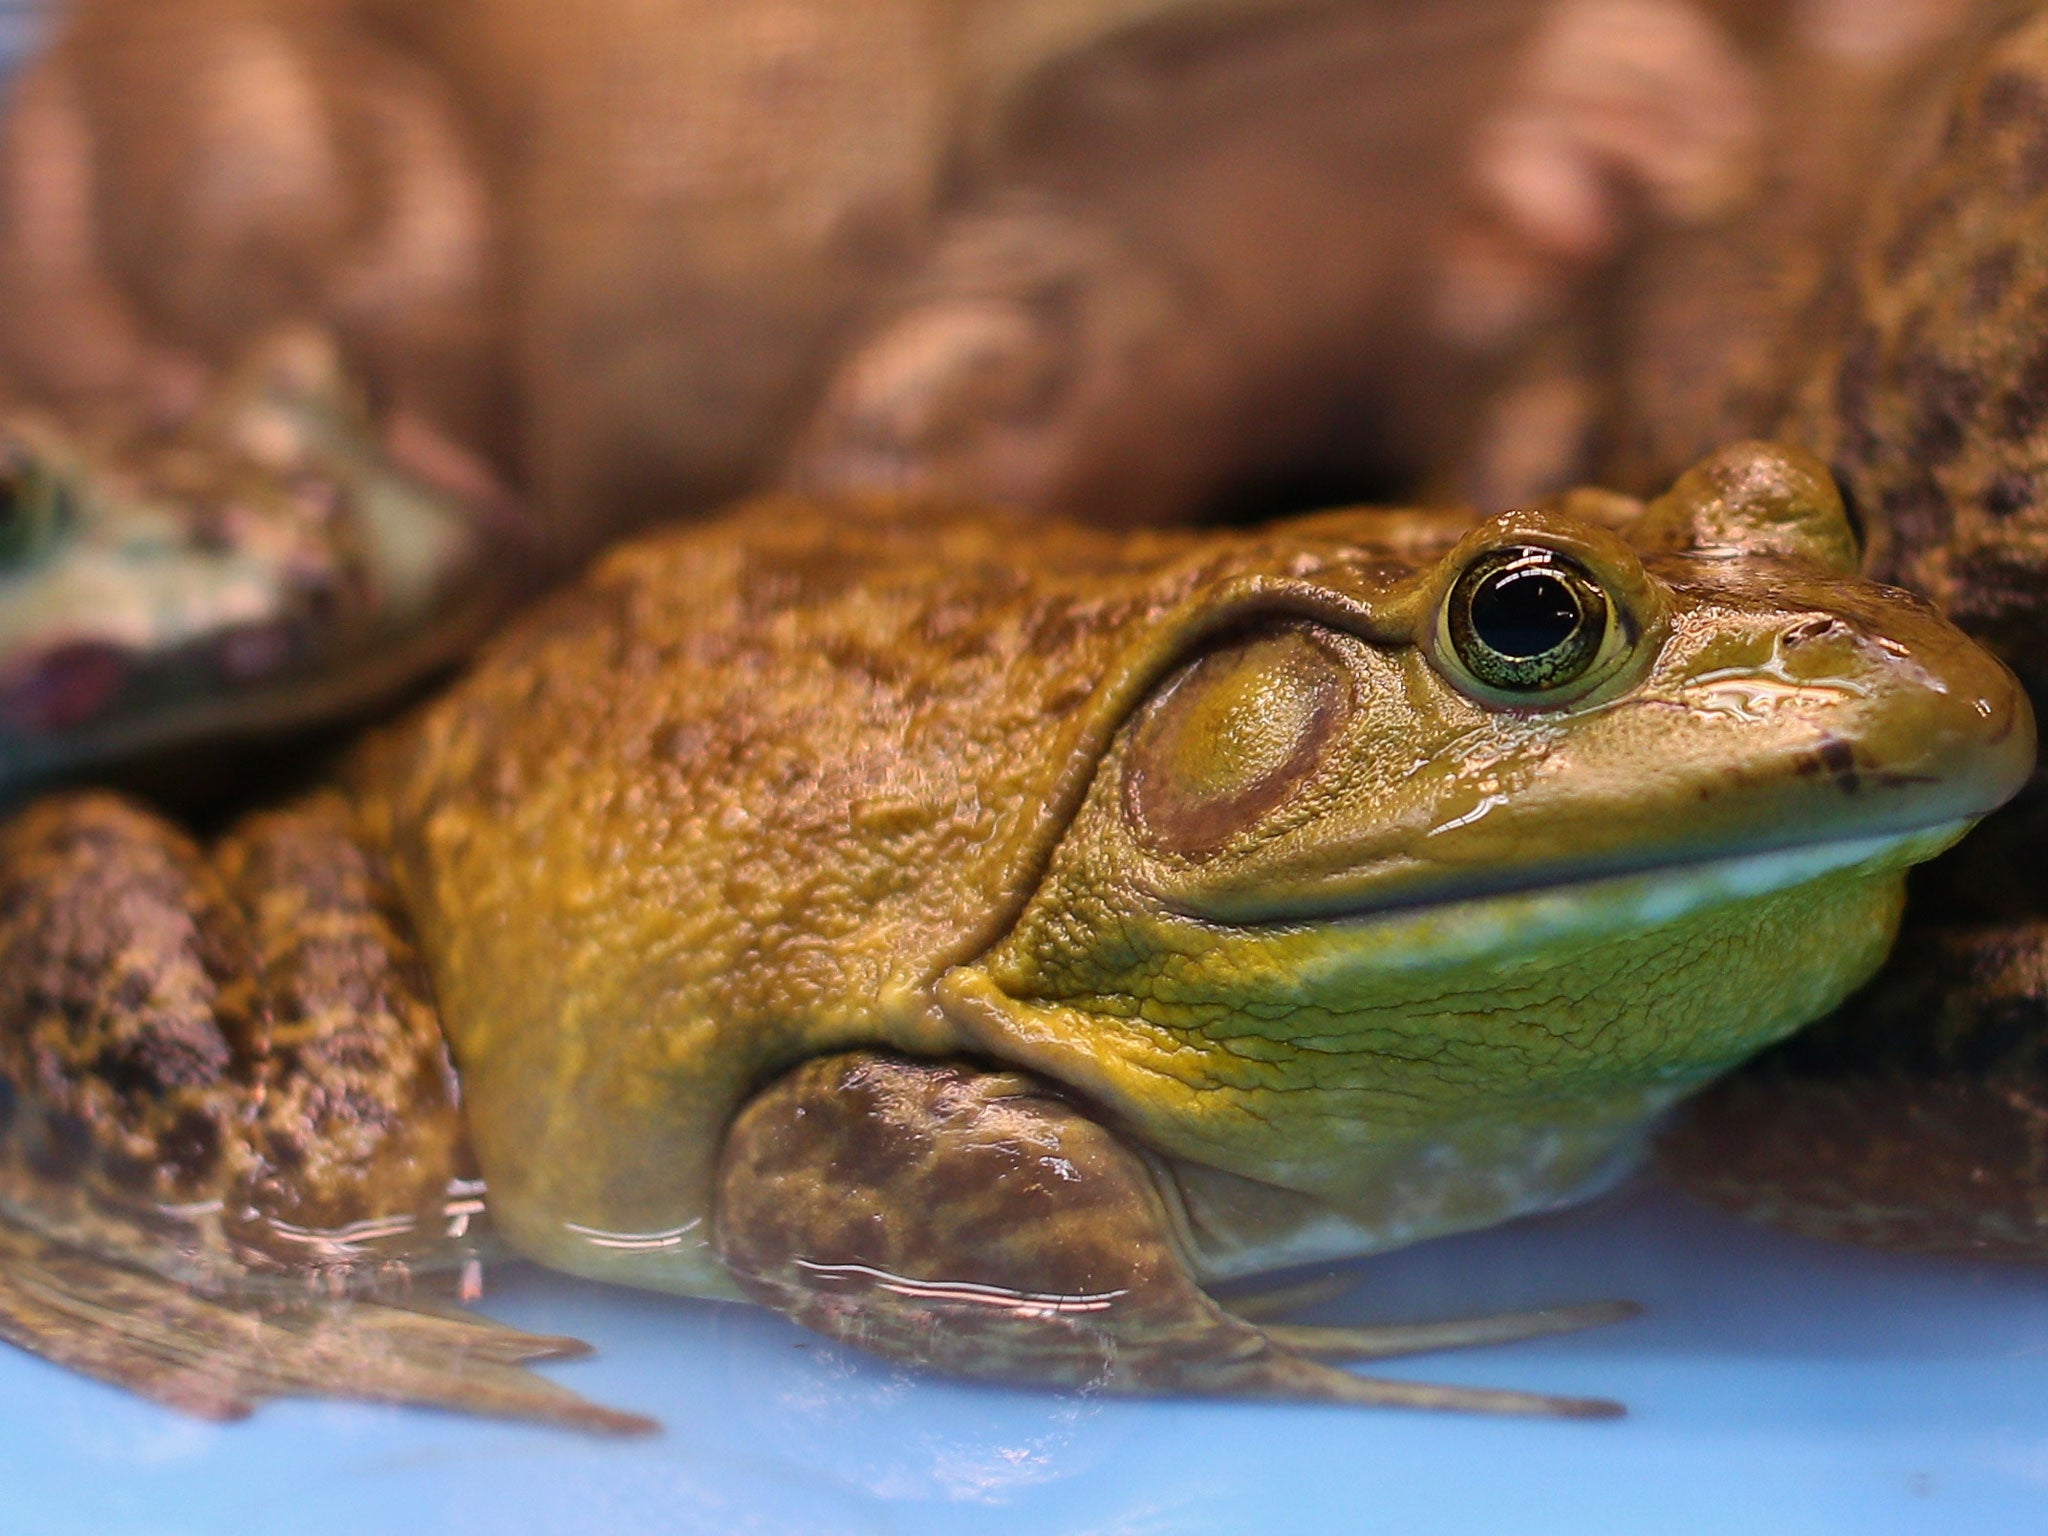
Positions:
(1825, 627)
(62, 687)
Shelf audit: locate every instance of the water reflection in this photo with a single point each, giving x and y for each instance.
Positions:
(898, 1434)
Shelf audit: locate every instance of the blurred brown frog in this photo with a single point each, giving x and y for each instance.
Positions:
(1102, 257)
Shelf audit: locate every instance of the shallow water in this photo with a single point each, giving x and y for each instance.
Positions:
(1777, 1385)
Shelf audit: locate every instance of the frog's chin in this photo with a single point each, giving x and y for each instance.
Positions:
(1530, 921)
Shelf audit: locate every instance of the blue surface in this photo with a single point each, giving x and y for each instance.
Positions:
(1776, 1386)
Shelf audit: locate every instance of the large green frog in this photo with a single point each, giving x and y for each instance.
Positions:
(974, 937)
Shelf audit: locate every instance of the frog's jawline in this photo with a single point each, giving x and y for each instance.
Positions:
(1467, 927)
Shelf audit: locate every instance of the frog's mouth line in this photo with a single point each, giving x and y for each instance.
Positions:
(1471, 927)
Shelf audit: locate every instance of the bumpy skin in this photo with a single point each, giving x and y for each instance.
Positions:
(1882, 304)
(1307, 937)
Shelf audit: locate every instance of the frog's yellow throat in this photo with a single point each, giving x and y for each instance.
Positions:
(1442, 1067)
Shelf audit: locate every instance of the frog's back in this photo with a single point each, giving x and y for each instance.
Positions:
(735, 800)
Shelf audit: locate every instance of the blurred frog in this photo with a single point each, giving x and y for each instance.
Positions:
(274, 560)
(1118, 259)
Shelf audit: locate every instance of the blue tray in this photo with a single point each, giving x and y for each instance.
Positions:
(1776, 1385)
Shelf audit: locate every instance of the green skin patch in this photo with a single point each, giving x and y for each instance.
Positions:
(1439, 1068)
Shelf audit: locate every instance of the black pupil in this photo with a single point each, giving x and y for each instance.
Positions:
(1525, 611)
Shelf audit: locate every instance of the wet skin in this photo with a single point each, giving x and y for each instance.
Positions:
(974, 943)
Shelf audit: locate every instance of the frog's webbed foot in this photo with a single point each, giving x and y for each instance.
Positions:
(224, 1106)
(1386, 1341)
(1915, 1117)
(981, 1224)
(218, 1359)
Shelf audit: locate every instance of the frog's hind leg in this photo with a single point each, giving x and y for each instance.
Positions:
(980, 1223)
(224, 1106)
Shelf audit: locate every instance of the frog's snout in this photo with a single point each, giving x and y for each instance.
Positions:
(1899, 712)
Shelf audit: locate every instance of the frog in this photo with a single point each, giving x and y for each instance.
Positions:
(1877, 302)
(1122, 260)
(979, 939)
(274, 560)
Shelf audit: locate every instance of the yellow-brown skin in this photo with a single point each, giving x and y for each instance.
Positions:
(819, 778)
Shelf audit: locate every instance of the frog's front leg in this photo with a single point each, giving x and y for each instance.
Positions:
(226, 1103)
(981, 1223)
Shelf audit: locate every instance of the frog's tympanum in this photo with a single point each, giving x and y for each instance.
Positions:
(975, 938)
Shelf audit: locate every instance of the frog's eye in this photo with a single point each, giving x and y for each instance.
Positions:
(1235, 735)
(35, 506)
(1524, 619)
